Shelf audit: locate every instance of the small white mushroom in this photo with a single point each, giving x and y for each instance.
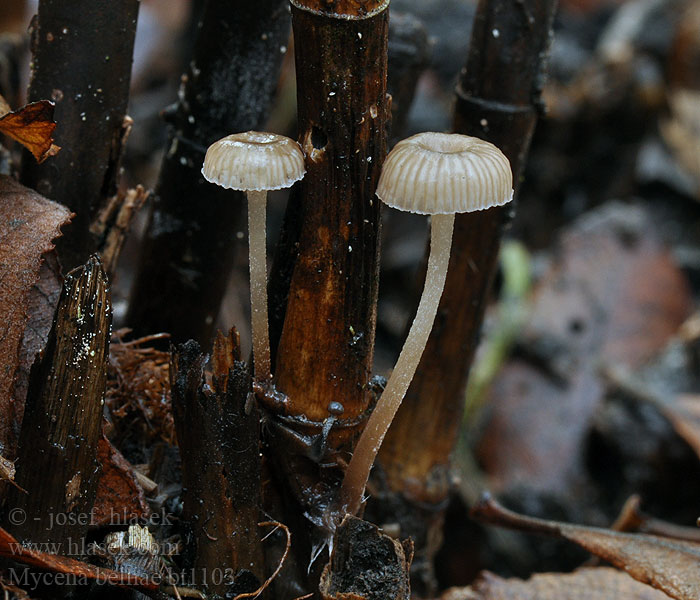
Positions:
(255, 163)
(437, 174)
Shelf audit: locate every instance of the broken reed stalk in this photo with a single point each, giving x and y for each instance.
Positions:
(326, 346)
(498, 99)
(219, 449)
(81, 56)
(408, 54)
(57, 455)
(324, 358)
(189, 245)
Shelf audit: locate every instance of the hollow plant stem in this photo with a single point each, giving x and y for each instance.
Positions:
(371, 439)
(326, 346)
(257, 204)
(220, 505)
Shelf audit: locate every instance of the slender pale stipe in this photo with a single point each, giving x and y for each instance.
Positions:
(366, 450)
(437, 174)
(257, 255)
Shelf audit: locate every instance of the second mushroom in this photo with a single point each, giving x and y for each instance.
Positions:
(438, 174)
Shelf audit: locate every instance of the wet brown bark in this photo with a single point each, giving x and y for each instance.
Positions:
(330, 254)
(498, 99)
(219, 448)
(82, 54)
(189, 245)
(63, 417)
(325, 351)
(408, 55)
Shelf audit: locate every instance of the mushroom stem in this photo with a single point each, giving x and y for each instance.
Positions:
(257, 202)
(357, 473)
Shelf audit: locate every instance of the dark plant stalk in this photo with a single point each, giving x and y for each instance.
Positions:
(408, 54)
(330, 255)
(498, 99)
(81, 56)
(63, 416)
(325, 351)
(218, 444)
(189, 246)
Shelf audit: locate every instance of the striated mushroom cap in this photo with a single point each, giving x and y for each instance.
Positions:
(444, 173)
(254, 161)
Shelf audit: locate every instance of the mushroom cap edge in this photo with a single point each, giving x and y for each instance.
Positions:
(445, 173)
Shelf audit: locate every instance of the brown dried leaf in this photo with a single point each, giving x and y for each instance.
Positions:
(670, 566)
(42, 301)
(614, 292)
(613, 295)
(28, 224)
(536, 427)
(586, 584)
(120, 498)
(32, 126)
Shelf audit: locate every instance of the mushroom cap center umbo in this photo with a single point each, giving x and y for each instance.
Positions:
(254, 161)
(445, 143)
(444, 173)
(258, 138)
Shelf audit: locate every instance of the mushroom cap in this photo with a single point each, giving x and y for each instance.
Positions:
(254, 161)
(444, 173)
